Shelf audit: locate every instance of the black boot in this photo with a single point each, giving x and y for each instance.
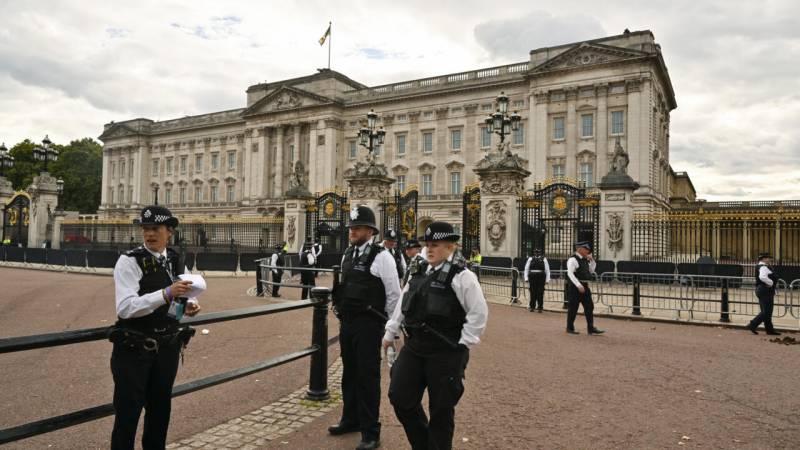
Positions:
(342, 428)
(368, 443)
(752, 329)
(595, 330)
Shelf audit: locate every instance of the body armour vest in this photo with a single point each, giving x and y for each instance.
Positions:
(537, 267)
(359, 289)
(583, 273)
(431, 302)
(398, 264)
(760, 284)
(304, 259)
(154, 278)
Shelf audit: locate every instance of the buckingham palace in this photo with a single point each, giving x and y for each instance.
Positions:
(576, 102)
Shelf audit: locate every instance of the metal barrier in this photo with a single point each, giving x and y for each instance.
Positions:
(318, 351)
(290, 276)
(493, 282)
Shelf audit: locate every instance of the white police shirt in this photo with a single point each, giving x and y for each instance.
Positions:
(393, 252)
(468, 291)
(546, 269)
(130, 304)
(572, 266)
(384, 268)
(764, 273)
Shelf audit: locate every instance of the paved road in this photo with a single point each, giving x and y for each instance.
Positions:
(529, 385)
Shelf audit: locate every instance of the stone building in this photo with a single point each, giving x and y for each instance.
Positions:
(576, 101)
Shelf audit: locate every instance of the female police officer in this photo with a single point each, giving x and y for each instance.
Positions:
(443, 313)
(147, 337)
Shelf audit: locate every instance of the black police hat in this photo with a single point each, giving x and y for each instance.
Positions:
(440, 231)
(413, 243)
(585, 244)
(362, 215)
(764, 255)
(390, 235)
(156, 215)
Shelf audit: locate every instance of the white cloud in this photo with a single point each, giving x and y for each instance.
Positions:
(68, 68)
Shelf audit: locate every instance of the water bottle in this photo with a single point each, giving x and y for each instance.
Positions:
(390, 356)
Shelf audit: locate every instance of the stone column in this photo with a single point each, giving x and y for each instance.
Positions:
(6, 194)
(539, 136)
(601, 129)
(571, 129)
(311, 162)
(262, 170)
(296, 143)
(106, 178)
(140, 173)
(369, 184)
(44, 199)
(616, 208)
(294, 220)
(277, 190)
(58, 220)
(249, 168)
(502, 176)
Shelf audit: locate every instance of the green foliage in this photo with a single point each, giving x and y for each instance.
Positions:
(80, 165)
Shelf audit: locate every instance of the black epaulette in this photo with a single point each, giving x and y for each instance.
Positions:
(138, 251)
(449, 270)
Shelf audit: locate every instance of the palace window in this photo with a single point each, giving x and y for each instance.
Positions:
(401, 183)
(455, 182)
(518, 103)
(198, 194)
(155, 167)
(558, 128)
(401, 144)
(130, 195)
(519, 135)
(376, 149)
(130, 168)
(353, 149)
(122, 168)
(587, 125)
(169, 166)
(231, 194)
(427, 114)
(183, 165)
(214, 161)
(617, 122)
(455, 139)
(168, 196)
(586, 174)
(427, 184)
(486, 138)
(198, 163)
(232, 160)
(214, 192)
(182, 195)
(291, 153)
(113, 169)
(427, 142)
(558, 170)
(111, 196)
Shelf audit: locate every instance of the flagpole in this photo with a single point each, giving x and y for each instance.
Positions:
(330, 38)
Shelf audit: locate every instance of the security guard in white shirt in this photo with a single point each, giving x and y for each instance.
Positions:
(147, 337)
(537, 274)
(443, 313)
(580, 268)
(766, 282)
(390, 244)
(307, 276)
(367, 294)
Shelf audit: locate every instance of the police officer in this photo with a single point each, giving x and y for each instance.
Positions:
(413, 256)
(537, 274)
(766, 282)
(580, 268)
(367, 294)
(316, 248)
(307, 262)
(277, 261)
(443, 313)
(147, 337)
(390, 244)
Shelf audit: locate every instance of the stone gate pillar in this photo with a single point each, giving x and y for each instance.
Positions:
(369, 184)
(6, 194)
(294, 215)
(502, 176)
(44, 199)
(616, 209)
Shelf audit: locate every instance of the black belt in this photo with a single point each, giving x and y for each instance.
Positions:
(150, 342)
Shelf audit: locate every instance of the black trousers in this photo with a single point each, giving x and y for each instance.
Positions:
(536, 288)
(276, 278)
(307, 279)
(766, 301)
(442, 374)
(142, 379)
(574, 299)
(360, 341)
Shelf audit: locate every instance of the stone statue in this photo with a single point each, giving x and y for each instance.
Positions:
(615, 232)
(620, 160)
(298, 186)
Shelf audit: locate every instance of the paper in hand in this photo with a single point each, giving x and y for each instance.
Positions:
(198, 285)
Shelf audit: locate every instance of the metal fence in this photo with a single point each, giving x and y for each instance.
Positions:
(318, 352)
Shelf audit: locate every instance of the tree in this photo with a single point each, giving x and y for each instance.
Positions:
(80, 165)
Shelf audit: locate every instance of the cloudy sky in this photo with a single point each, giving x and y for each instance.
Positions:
(66, 68)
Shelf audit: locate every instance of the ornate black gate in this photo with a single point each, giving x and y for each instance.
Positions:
(326, 218)
(471, 218)
(16, 218)
(556, 216)
(400, 214)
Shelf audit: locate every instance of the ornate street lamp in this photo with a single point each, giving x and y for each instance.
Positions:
(500, 122)
(368, 136)
(45, 152)
(60, 189)
(6, 160)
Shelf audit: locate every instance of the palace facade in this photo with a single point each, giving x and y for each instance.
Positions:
(576, 101)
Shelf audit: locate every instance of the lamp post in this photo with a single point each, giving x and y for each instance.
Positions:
(60, 189)
(6, 160)
(369, 136)
(500, 122)
(45, 152)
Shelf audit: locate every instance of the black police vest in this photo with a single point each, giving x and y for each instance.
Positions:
(154, 278)
(583, 273)
(397, 262)
(431, 302)
(304, 259)
(359, 289)
(537, 264)
(279, 262)
(761, 285)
